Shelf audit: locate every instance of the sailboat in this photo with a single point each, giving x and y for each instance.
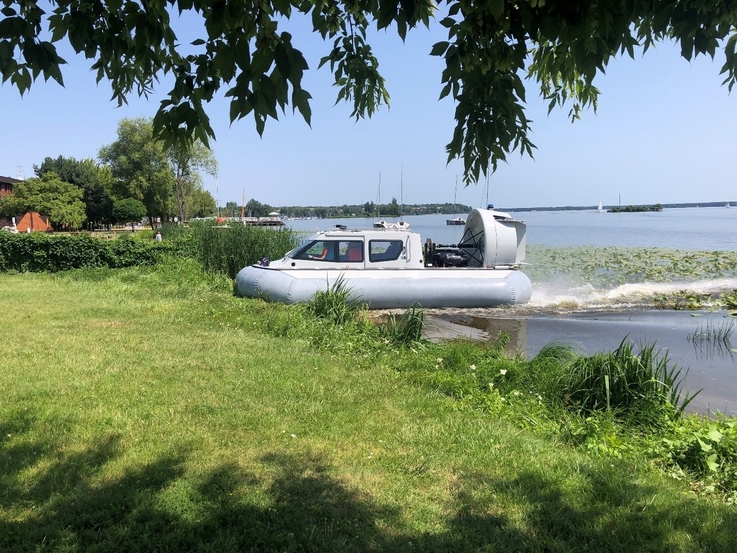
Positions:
(600, 209)
(401, 224)
(455, 220)
(380, 223)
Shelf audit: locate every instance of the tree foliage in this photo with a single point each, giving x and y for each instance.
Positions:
(47, 195)
(254, 208)
(201, 205)
(93, 180)
(492, 46)
(129, 210)
(187, 160)
(139, 164)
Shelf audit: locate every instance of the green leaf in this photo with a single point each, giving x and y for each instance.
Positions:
(301, 101)
(281, 58)
(714, 435)
(496, 7)
(439, 48)
(711, 462)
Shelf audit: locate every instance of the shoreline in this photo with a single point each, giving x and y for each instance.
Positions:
(711, 364)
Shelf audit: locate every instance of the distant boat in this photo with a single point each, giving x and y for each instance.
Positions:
(727, 205)
(600, 208)
(455, 220)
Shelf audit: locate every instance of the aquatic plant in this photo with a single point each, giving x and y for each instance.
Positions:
(729, 301)
(682, 300)
(634, 386)
(712, 333)
(605, 267)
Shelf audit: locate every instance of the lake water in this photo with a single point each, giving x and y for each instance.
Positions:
(683, 229)
(712, 367)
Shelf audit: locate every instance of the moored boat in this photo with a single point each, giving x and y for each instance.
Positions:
(392, 268)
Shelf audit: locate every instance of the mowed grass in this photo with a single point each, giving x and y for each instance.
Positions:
(151, 410)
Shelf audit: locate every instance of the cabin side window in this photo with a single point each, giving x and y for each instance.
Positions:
(318, 250)
(351, 251)
(385, 250)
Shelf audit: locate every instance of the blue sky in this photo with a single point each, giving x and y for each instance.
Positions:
(664, 132)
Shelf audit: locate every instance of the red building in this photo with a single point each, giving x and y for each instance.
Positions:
(6, 185)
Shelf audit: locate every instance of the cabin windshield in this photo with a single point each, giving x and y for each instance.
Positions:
(321, 250)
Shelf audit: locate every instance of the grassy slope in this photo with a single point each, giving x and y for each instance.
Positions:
(147, 410)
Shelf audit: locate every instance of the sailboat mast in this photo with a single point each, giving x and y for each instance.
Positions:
(401, 191)
(455, 199)
(378, 199)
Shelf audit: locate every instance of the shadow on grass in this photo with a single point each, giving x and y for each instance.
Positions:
(52, 499)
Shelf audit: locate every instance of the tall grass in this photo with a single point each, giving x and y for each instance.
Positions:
(634, 385)
(227, 249)
(407, 330)
(337, 304)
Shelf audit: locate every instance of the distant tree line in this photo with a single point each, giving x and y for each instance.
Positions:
(369, 209)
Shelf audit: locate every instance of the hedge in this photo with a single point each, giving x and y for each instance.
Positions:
(38, 252)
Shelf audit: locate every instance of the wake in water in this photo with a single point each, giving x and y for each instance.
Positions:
(563, 297)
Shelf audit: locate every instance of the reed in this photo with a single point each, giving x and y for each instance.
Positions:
(711, 334)
(227, 249)
(633, 386)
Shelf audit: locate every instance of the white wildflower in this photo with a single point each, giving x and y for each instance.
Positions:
(502, 371)
(473, 367)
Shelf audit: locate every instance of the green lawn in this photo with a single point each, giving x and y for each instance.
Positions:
(151, 410)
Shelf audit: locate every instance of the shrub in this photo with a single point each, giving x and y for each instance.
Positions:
(38, 252)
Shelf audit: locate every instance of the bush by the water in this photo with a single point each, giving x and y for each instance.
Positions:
(39, 252)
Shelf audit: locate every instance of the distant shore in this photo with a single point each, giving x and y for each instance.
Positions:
(606, 207)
